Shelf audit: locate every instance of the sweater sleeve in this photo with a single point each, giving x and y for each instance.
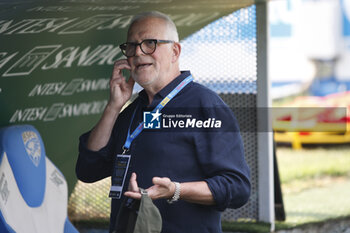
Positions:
(91, 165)
(221, 155)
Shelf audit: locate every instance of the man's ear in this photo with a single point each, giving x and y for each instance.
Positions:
(176, 52)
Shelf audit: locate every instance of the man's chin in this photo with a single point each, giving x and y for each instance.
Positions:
(144, 81)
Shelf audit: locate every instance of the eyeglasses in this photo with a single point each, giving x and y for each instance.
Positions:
(147, 46)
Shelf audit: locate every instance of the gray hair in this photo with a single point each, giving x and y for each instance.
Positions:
(172, 30)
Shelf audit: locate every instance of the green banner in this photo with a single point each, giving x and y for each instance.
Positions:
(56, 58)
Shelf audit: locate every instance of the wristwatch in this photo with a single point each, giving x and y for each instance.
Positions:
(176, 196)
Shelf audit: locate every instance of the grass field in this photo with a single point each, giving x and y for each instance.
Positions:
(313, 163)
(315, 183)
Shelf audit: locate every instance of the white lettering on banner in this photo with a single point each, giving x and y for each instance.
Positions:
(41, 25)
(88, 24)
(82, 8)
(32, 26)
(50, 9)
(93, 85)
(58, 111)
(31, 60)
(102, 54)
(53, 112)
(5, 59)
(68, 58)
(147, 1)
(5, 25)
(74, 86)
(47, 89)
(121, 22)
(110, 57)
(99, 22)
(82, 109)
(28, 114)
(181, 20)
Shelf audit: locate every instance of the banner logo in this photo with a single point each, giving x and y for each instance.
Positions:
(31, 60)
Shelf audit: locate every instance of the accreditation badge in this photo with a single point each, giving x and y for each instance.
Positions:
(120, 170)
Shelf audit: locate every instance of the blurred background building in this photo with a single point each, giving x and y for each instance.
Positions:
(309, 46)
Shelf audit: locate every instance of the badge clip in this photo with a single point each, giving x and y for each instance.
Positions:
(125, 150)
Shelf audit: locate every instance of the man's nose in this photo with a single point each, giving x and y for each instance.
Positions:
(138, 50)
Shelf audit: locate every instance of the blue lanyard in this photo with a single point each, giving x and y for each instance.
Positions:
(158, 108)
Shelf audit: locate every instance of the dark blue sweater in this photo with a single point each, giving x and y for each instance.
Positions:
(211, 151)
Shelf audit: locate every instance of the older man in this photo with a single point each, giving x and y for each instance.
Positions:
(191, 171)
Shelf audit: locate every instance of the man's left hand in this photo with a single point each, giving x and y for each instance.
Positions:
(162, 188)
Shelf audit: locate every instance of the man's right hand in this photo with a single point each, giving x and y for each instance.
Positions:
(120, 93)
(120, 90)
